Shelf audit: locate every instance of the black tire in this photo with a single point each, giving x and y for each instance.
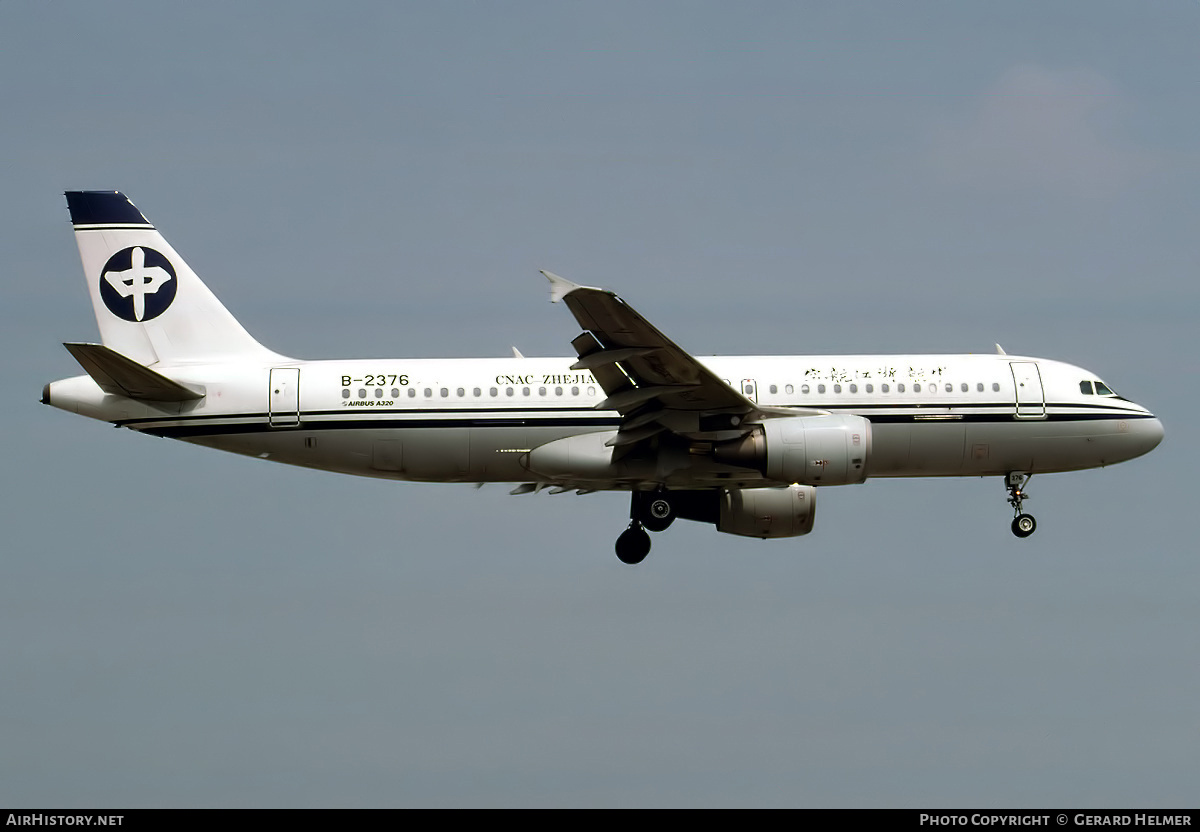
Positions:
(658, 515)
(633, 545)
(1024, 525)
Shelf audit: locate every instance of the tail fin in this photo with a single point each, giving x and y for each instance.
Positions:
(149, 304)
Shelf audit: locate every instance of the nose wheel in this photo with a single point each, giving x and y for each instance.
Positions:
(1023, 524)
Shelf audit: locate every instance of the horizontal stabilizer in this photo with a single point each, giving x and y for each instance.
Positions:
(121, 376)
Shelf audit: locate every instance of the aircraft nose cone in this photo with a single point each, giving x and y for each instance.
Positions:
(1141, 436)
(1151, 434)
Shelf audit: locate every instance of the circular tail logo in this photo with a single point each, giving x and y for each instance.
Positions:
(137, 284)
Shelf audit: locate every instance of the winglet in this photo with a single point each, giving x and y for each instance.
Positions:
(1000, 350)
(560, 287)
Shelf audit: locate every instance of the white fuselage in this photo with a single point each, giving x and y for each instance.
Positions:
(473, 420)
(739, 442)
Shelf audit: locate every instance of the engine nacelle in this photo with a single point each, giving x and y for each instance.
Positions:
(812, 450)
(768, 512)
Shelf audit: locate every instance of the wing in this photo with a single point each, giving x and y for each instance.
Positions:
(653, 383)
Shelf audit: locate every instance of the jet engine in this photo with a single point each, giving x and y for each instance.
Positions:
(813, 450)
(768, 512)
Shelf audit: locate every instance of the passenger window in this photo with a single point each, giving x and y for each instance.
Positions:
(837, 388)
(591, 391)
(558, 391)
(428, 393)
(789, 389)
(1085, 387)
(900, 388)
(916, 388)
(412, 392)
(541, 391)
(950, 388)
(883, 388)
(574, 391)
(979, 387)
(493, 391)
(362, 392)
(460, 392)
(870, 388)
(395, 392)
(995, 387)
(820, 388)
(445, 392)
(378, 393)
(346, 393)
(853, 388)
(774, 389)
(508, 391)
(749, 390)
(524, 391)
(476, 392)
(804, 389)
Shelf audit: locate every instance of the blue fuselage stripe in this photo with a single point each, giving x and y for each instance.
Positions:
(246, 423)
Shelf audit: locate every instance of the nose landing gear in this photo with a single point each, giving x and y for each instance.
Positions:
(1023, 524)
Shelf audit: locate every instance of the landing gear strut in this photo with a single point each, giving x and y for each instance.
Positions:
(1023, 524)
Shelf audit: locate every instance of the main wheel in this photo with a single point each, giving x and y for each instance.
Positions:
(633, 545)
(1024, 525)
(658, 515)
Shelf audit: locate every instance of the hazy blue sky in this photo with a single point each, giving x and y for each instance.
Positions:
(180, 627)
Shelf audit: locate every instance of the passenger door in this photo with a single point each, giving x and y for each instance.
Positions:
(1031, 400)
(284, 399)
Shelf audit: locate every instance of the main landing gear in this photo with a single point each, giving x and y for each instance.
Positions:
(1023, 524)
(648, 511)
(633, 545)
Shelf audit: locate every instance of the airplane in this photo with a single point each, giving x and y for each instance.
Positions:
(738, 442)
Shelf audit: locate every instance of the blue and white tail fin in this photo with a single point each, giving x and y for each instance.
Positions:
(151, 307)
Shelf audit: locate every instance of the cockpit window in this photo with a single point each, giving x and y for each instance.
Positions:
(1085, 387)
(1102, 390)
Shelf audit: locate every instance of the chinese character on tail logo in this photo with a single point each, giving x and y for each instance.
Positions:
(137, 284)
